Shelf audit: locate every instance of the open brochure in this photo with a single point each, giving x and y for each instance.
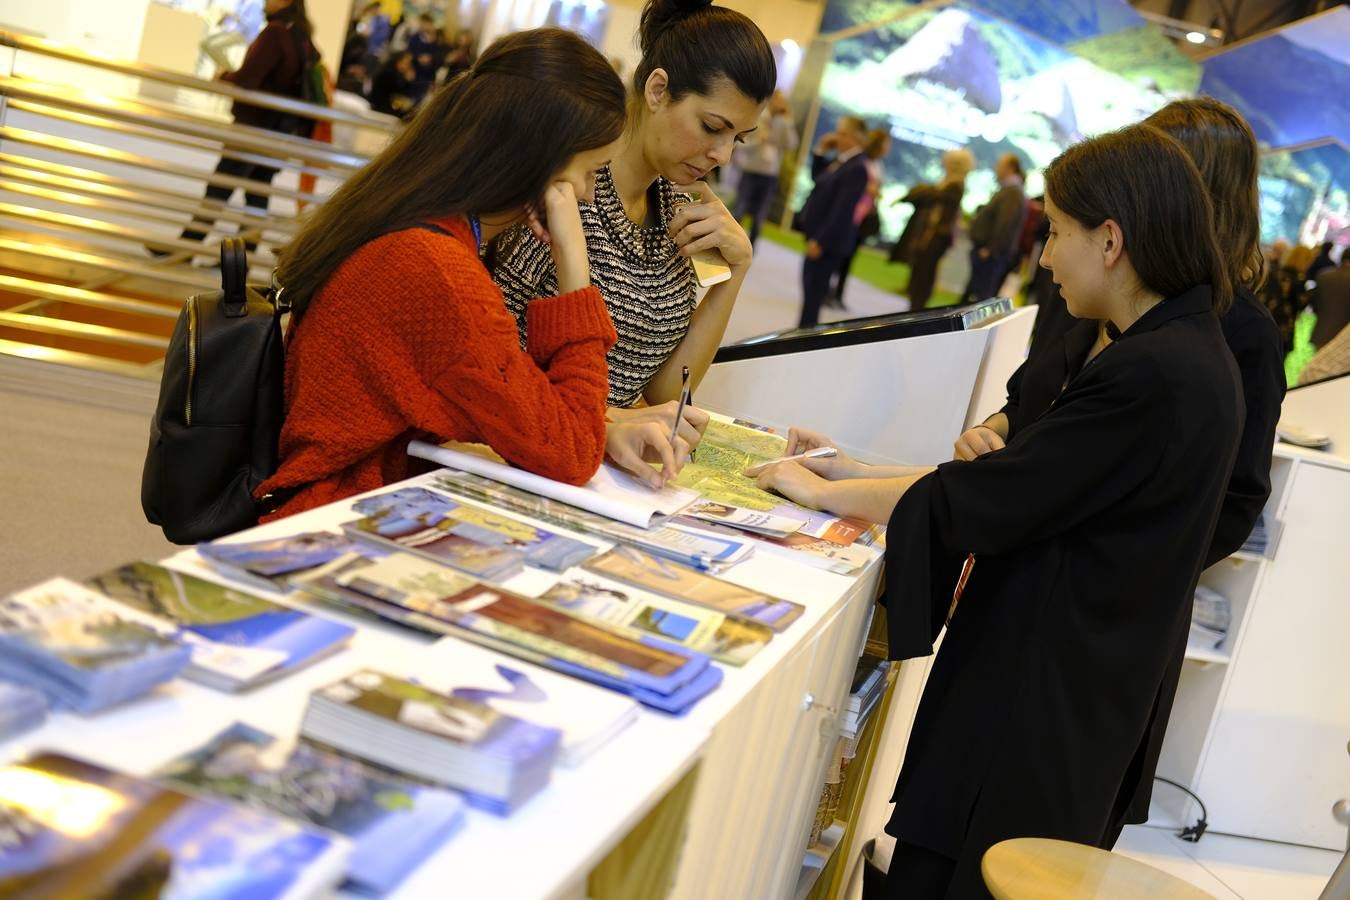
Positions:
(610, 492)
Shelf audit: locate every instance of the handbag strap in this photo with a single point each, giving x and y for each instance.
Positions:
(233, 276)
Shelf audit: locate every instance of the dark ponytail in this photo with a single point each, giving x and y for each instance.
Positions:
(697, 43)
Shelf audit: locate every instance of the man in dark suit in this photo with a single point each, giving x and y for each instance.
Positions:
(1331, 300)
(840, 173)
(994, 232)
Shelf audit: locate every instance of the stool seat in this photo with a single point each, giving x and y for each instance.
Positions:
(1044, 869)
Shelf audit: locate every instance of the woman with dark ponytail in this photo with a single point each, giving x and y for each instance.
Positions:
(705, 76)
(398, 331)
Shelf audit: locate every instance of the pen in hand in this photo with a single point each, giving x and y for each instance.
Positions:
(818, 453)
(679, 410)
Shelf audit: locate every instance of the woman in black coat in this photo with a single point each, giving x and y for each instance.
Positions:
(931, 228)
(1083, 538)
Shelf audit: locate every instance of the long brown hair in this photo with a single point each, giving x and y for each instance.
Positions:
(490, 141)
(1224, 149)
(1143, 179)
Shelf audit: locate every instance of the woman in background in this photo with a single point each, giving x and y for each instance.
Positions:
(865, 217)
(706, 73)
(931, 229)
(1083, 539)
(399, 333)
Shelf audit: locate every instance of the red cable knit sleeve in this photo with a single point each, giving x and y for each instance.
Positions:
(544, 411)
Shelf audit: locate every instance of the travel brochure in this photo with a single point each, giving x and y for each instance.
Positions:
(497, 760)
(268, 564)
(726, 638)
(75, 829)
(691, 546)
(611, 492)
(632, 566)
(393, 822)
(432, 598)
(429, 533)
(541, 547)
(238, 640)
(21, 709)
(80, 649)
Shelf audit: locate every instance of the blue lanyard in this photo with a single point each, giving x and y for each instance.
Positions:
(477, 231)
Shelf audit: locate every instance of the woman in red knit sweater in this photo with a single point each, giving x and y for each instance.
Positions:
(399, 333)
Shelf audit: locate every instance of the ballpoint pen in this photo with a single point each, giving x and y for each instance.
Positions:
(818, 453)
(679, 410)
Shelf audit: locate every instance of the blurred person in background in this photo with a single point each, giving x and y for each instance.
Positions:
(275, 63)
(1330, 300)
(839, 170)
(391, 90)
(931, 228)
(427, 45)
(761, 162)
(865, 217)
(994, 232)
(459, 56)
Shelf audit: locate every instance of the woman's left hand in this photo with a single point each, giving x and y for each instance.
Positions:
(706, 223)
(794, 481)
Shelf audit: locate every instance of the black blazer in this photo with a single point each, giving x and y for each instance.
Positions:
(1254, 340)
(827, 216)
(1090, 530)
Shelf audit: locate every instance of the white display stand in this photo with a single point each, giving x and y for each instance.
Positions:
(1259, 727)
(761, 742)
(898, 401)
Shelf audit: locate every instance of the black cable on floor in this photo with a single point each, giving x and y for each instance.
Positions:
(1196, 831)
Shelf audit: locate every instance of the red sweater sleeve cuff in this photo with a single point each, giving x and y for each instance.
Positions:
(554, 322)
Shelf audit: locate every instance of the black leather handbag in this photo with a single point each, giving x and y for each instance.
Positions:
(213, 438)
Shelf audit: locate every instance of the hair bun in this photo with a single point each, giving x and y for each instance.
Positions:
(659, 15)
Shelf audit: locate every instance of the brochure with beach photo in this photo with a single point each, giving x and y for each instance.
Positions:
(632, 566)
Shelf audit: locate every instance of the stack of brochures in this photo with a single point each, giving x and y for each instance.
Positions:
(587, 716)
(497, 760)
(440, 516)
(79, 649)
(869, 685)
(21, 709)
(691, 546)
(268, 564)
(80, 830)
(1211, 617)
(393, 823)
(432, 598)
(239, 640)
(1259, 540)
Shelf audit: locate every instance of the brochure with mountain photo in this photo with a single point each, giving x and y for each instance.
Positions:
(268, 564)
(394, 823)
(632, 566)
(239, 640)
(73, 829)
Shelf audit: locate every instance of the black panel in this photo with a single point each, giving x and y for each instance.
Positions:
(848, 332)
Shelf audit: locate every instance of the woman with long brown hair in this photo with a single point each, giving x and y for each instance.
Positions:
(1075, 550)
(399, 332)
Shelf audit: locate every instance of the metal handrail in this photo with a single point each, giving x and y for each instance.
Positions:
(139, 268)
(60, 292)
(24, 94)
(115, 192)
(375, 120)
(48, 325)
(109, 154)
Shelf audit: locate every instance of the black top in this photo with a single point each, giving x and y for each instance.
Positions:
(827, 216)
(1090, 530)
(1254, 340)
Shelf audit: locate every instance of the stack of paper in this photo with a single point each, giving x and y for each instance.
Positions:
(21, 709)
(393, 823)
(869, 685)
(541, 547)
(74, 829)
(77, 648)
(691, 546)
(498, 761)
(1259, 540)
(432, 598)
(268, 564)
(239, 640)
(1211, 617)
(587, 716)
